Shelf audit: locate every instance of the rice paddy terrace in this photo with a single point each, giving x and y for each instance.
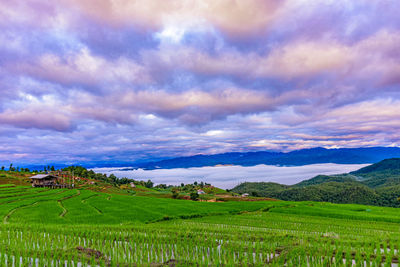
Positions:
(74, 227)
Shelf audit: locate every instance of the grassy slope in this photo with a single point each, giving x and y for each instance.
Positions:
(296, 233)
(292, 231)
(15, 178)
(63, 206)
(76, 206)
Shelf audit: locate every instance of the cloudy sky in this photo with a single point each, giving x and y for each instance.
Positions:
(123, 80)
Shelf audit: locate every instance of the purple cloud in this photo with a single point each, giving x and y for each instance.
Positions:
(137, 80)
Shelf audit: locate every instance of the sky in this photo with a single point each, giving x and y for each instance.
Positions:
(119, 80)
(227, 177)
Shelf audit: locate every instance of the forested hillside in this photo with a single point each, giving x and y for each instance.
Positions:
(377, 184)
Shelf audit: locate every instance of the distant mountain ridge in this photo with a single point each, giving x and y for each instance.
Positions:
(376, 184)
(293, 158)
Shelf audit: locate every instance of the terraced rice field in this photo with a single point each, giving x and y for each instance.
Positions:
(80, 228)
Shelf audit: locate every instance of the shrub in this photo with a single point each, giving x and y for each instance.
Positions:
(175, 194)
(194, 196)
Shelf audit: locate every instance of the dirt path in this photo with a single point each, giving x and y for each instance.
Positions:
(11, 212)
(97, 209)
(62, 214)
(84, 199)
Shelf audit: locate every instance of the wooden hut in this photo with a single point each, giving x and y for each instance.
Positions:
(44, 180)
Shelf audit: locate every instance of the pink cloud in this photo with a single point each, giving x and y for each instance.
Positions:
(193, 106)
(232, 17)
(208, 76)
(306, 58)
(34, 14)
(37, 117)
(82, 67)
(300, 59)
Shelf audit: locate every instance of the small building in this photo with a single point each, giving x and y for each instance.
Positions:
(200, 192)
(245, 195)
(132, 185)
(43, 180)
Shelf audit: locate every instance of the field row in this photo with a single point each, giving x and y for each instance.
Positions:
(270, 239)
(66, 206)
(79, 227)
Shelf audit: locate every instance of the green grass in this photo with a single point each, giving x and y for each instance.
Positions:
(88, 207)
(96, 228)
(6, 185)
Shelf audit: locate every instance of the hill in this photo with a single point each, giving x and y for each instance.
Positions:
(319, 179)
(334, 192)
(387, 166)
(78, 227)
(260, 188)
(382, 174)
(377, 184)
(293, 158)
(91, 226)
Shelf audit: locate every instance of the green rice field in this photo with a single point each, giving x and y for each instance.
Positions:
(71, 227)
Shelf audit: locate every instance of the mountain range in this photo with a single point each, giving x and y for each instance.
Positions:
(293, 158)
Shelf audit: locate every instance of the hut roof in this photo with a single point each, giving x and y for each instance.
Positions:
(42, 176)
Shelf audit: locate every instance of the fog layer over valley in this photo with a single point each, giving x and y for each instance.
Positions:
(229, 176)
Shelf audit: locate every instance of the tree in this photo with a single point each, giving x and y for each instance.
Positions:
(149, 184)
(195, 183)
(182, 184)
(52, 168)
(194, 196)
(2, 168)
(255, 194)
(175, 193)
(11, 167)
(162, 186)
(112, 177)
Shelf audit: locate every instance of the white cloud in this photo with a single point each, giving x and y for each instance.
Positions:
(229, 176)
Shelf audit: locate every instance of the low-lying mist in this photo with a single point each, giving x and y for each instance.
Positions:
(229, 176)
